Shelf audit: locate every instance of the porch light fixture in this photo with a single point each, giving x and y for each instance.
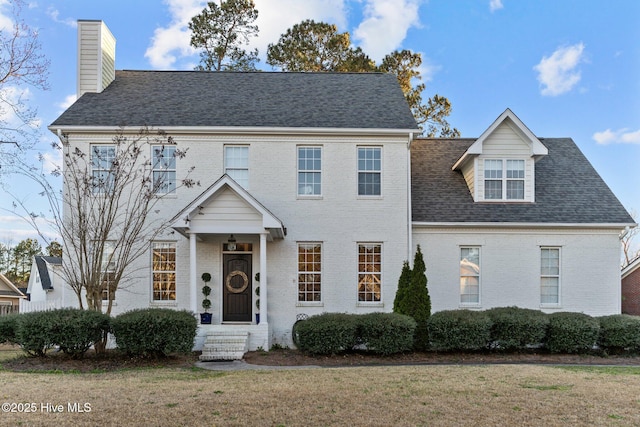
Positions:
(231, 243)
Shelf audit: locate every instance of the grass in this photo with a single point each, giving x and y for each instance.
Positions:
(398, 395)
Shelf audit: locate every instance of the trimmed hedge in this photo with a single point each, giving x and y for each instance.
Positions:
(386, 333)
(516, 329)
(8, 328)
(333, 333)
(327, 333)
(155, 332)
(572, 332)
(71, 329)
(459, 330)
(619, 333)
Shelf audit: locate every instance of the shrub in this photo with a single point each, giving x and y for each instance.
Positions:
(75, 330)
(71, 329)
(386, 333)
(517, 328)
(327, 333)
(412, 298)
(572, 332)
(459, 330)
(32, 332)
(155, 332)
(8, 327)
(619, 333)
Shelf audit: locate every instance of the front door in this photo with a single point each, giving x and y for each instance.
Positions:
(236, 289)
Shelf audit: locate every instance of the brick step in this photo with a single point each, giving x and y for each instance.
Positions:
(225, 345)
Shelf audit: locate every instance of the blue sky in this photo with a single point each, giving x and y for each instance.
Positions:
(567, 68)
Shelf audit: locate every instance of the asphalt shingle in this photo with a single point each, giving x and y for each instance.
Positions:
(568, 190)
(251, 99)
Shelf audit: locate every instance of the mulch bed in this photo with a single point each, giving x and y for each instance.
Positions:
(114, 360)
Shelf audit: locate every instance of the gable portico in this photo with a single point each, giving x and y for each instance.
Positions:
(227, 220)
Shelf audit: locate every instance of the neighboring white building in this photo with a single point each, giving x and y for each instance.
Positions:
(47, 289)
(318, 182)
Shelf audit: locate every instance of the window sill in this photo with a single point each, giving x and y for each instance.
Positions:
(369, 197)
(370, 304)
(469, 305)
(551, 306)
(312, 197)
(309, 304)
(163, 304)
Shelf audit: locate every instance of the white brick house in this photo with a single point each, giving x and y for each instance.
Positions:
(318, 182)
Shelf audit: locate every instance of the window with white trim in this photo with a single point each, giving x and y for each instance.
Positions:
(102, 173)
(164, 271)
(236, 163)
(164, 168)
(369, 272)
(504, 179)
(107, 270)
(469, 275)
(309, 171)
(309, 272)
(550, 275)
(369, 171)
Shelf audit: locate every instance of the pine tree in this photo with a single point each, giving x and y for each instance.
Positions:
(400, 302)
(412, 298)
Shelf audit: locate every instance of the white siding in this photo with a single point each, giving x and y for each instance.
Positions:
(510, 274)
(96, 57)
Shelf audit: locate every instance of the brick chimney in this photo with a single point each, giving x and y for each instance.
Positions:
(96, 56)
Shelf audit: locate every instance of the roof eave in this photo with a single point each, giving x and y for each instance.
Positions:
(237, 130)
(612, 226)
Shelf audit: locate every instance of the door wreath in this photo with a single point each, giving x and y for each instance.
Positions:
(233, 274)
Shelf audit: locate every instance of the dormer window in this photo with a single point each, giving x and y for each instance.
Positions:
(503, 179)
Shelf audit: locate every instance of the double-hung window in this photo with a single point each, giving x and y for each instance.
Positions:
(309, 171)
(503, 179)
(369, 272)
(164, 169)
(107, 271)
(236, 163)
(309, 272)
(102, 173)
(550, 275)
(164, 271)
(369, 171)
(469, 275)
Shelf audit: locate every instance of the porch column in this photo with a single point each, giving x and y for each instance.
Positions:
(193, 300)
(263, 278)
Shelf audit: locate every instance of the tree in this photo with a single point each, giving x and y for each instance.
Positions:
(432, 117)
(105, 215)
(54, 249)
(630, 250)
(221, 31)
(21, 256)
(317, 46)
(412, 299)
(22, 64)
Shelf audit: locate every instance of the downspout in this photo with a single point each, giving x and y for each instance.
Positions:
(409, 216)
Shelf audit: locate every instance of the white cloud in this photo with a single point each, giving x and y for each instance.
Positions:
(495, 5)
(12, 97)
(620, 136)
(55, 13)
(6, 20)
(385, 25)
(559, 72)
(170, 43)
(66, 103)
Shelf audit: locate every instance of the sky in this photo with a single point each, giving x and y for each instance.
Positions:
(566, 68)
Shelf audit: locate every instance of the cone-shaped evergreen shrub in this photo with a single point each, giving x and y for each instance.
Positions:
(412, 299)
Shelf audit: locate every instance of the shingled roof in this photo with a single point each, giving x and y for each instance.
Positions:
(568, 190)
(244, 99)
(43, 271)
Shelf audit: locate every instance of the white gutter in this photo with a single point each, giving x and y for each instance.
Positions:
(236, 130)
(520, 225)
(409, 217)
